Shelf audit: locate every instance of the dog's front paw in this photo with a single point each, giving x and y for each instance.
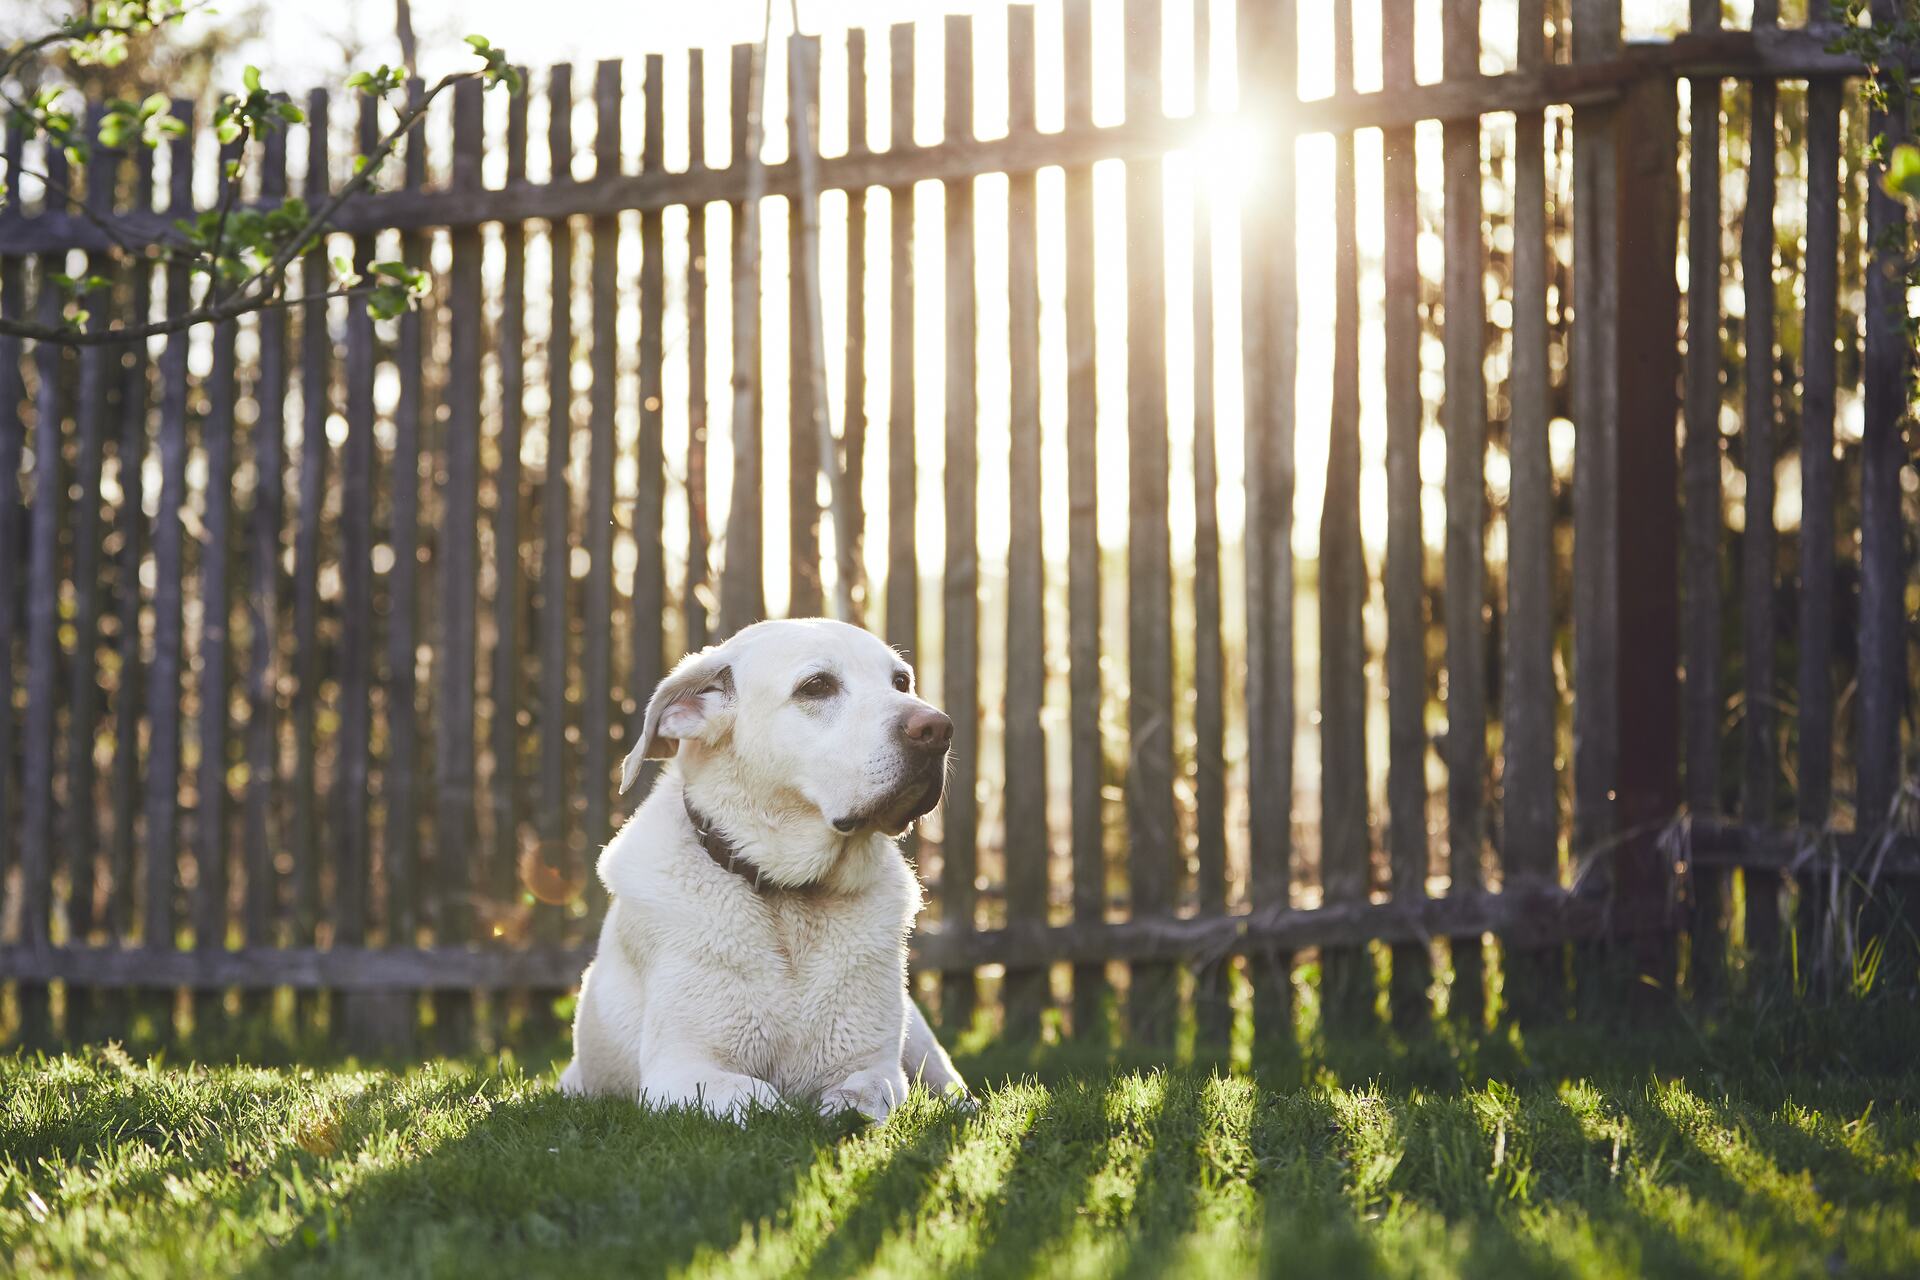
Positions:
(874, 1093)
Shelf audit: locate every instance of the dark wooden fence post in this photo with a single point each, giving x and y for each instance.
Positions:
(1646, 622)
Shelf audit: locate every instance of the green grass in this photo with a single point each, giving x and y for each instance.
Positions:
(1790, 1147)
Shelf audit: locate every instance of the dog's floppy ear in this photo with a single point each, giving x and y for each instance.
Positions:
(693, 691)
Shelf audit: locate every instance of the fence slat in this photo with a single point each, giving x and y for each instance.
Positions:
(596, 668)
(400, 787)
(37, 842)
(1083, 537)
(265, 524)
(1465, 420)
(804, 596)
(1530, 846)
(849, 546)
(693, 599)
(1815, 782)
(903, 481)
(13, 443)
(1404, 572)
(83, 708)
(316, 347)
(555, 521)
(1025, 845)
(163, 680)
(353, 767)
(903, 563)
(1153, 830)
(456, 573)
(131, 522)
(1213, 1010)
(742, 591)
(1759, 542)
(1594, 360)
(649, 508)
(960, 632)
(213, 687)
(554, 809)
(503, 695)
(1702, 507)
(1883, 582)
(1346, 973)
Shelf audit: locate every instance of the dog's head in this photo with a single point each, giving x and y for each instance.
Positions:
(808, 710)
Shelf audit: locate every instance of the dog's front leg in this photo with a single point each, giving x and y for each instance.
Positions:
(689, 1082)
(874, 1092)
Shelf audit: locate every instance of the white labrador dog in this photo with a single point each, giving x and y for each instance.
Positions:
(756, 945)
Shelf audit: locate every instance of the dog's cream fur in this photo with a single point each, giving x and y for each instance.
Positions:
(707, 993)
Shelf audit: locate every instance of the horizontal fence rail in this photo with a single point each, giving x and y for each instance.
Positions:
(319, 636)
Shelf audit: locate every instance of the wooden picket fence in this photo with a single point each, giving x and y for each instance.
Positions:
(321, 637)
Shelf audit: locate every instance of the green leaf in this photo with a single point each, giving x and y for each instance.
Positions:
(1902, 179)
(290, 113)
(480, 43)
(228, 131)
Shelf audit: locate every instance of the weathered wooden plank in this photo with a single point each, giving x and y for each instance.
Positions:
(1026, 845)
(83, 673)
(1269, 50)
(401, 770)
(1213, 1009)
(1404, 574)
(1345, 852)
(742, 591)
(1596, 567)
(649, 507)
(1537, 916)
(456, 573)
(1153, 830)
(316, 348)
(849, 543)
(903, 562)
(163, 678)
(353, 762)
(1883, 582)
(265, 522)
(1815, 676)
(694, 598)
(38, 742)
(1464, 418)
(1797, 850)
(131, 525)
(960, 629)
(903, 477)
(42, 645)
(596, 664)
(804, 595)
(1083, 537)
(1759, 543)
(1531, 812)
(1646, 622)
(13, 443)
(1704, 527)
(503, 693)
(554, 809)
(211, 844)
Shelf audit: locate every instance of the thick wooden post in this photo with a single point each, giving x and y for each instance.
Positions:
(1646, 625)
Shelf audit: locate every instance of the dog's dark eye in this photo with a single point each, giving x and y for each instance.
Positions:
(816, 686)
(902, 681)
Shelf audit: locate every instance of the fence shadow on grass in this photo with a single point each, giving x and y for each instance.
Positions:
(560, 1186)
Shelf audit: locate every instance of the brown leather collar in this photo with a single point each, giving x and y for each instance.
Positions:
(726, 855)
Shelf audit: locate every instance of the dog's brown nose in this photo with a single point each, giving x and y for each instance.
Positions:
(926, 729)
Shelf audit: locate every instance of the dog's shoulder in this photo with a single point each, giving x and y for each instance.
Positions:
(639, 865)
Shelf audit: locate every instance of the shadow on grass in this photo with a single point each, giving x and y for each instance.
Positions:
(550, 1185)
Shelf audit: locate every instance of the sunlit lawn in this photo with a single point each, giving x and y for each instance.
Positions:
(1625, 1149)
